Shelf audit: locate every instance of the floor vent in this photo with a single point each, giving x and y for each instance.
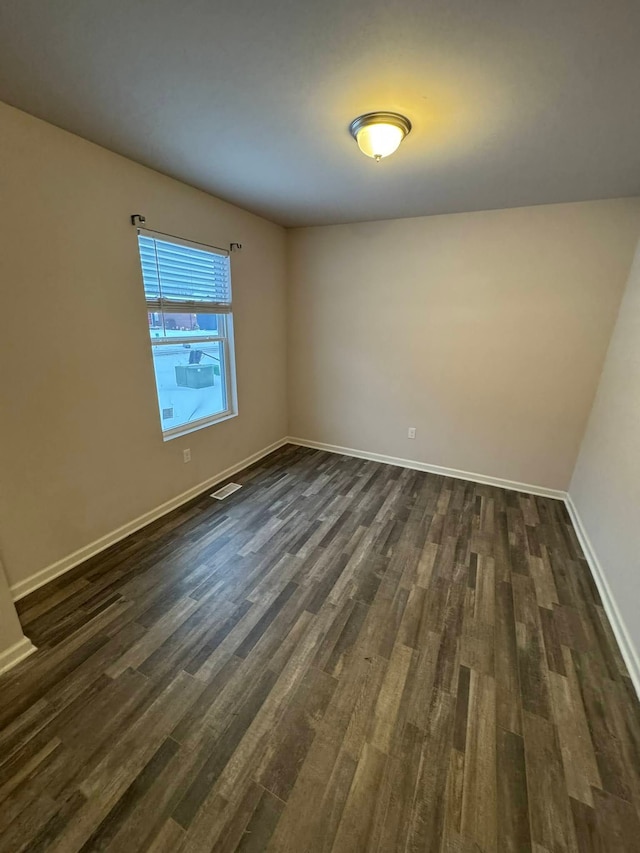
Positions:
(225, 491)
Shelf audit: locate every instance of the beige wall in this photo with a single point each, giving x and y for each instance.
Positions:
(485, 331)
(606, 484)
(81, 451)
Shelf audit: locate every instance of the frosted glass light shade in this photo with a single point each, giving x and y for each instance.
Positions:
(379, 140)
(379, 134)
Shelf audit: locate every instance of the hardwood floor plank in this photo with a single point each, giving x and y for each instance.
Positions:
(578, 755)
(550, 815)
(514, 834)
(429, 800)
(292, 737)
(532, 663)
(324, 780)
(354, 833)
(479, 795)
(261, 825)
(224, 748)
(602, 727)
(169, 840)
(387, 707)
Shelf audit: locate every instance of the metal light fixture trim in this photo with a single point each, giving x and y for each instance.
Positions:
(363, 129)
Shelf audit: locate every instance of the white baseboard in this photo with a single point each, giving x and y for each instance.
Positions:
(14, 654)
(485, 479)
(30, 584)
(627, 649)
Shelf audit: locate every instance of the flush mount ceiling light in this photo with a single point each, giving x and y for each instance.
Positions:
(379, 134)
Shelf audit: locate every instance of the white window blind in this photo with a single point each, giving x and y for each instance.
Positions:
(182, 277)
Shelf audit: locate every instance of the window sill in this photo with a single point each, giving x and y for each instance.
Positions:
(187, 428)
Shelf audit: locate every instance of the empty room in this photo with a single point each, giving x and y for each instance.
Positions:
(320, 426)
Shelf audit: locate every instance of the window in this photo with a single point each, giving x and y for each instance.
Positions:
(188, 291)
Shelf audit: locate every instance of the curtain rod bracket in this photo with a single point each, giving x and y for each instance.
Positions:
(235, 247)
(138, 219)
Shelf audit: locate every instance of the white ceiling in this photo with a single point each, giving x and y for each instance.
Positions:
(512, 102)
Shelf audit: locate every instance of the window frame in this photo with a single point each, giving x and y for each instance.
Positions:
(221, 310)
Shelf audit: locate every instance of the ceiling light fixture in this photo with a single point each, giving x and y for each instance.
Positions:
(379, 134)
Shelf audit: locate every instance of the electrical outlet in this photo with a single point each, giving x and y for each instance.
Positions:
(186, 455)
(411, 433)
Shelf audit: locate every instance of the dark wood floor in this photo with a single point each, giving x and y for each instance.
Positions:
(343, 656)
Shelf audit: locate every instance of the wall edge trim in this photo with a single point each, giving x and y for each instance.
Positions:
(625, 644)
(22, 588)
(485, 479)
(16, 653)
